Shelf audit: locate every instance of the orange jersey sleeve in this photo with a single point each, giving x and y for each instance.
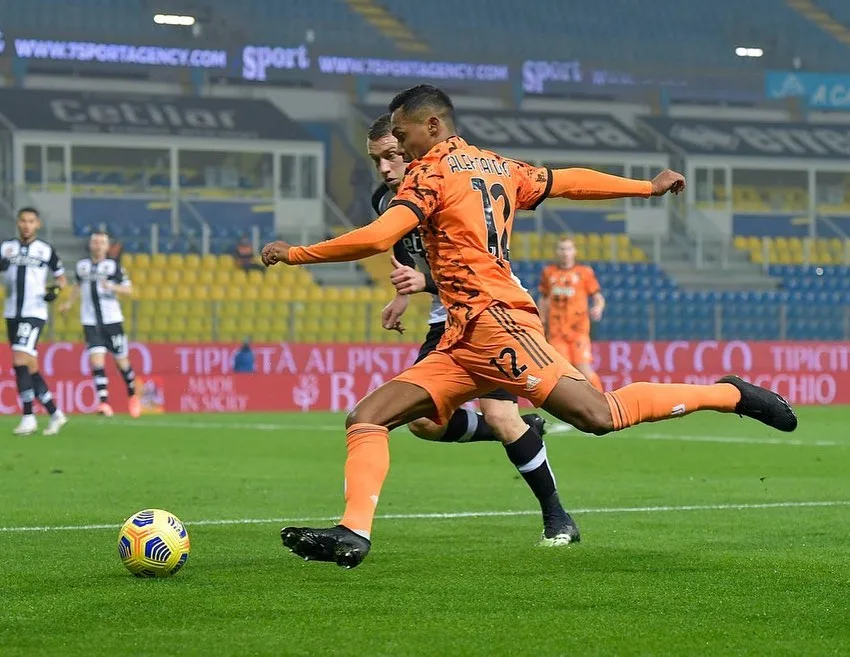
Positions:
(377, 237)
(594, 185)
(539, 183)
(591, 284)
(534, 184)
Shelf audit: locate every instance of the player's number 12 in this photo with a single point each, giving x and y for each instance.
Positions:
(497, 245)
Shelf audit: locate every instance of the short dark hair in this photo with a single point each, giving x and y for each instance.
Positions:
(380, 127)
(424, 96)
(29, 208)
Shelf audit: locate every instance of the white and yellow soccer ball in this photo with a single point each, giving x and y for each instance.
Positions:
(153, 543)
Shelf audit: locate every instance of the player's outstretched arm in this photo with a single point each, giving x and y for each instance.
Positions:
(588, 184)
(377, 237)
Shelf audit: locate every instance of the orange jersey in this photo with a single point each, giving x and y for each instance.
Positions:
(568, 292)
(465, 199)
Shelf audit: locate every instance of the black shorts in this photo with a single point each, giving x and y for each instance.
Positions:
(108, 337)
(23, 333)
(432, 339)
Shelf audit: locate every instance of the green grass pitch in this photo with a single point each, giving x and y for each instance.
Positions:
(708, 535)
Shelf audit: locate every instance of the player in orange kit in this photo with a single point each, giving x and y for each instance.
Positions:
(570, 297)
(463, 199)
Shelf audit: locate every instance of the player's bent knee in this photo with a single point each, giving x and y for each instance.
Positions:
(504, 419)
(359, 416)
(596, 419)
(426, 429)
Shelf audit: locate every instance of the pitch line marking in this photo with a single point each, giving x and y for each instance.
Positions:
(557, 429)
(454, 515)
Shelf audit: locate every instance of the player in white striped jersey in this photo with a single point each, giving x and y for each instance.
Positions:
(25, 262)
(100, 281)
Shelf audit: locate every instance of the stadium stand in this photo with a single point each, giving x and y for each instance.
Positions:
(698, 34)
(195, 298)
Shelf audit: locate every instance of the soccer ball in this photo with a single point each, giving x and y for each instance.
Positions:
(153, 543)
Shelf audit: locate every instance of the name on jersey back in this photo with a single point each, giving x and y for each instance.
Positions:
(491, 165)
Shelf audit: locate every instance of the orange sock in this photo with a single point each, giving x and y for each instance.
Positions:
(365, 470)
(594, 380)
(651, 402)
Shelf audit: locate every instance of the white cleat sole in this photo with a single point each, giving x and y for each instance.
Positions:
(558, 541)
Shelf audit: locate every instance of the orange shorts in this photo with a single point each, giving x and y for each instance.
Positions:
(575, 349)
(501, 348)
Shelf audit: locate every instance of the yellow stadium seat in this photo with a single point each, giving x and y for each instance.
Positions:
(332, 309)
(217, 293)
(250, 294)
(638, 255)
(165, 292)
(146, 292)
(201, 309)
(206, 276)
(192, 261)
(128, 260)
(229, 309)
(327, 336)
(156, 277)
(182, 293)
(176, 325)
(245, 326)
(145, 308)
(197, 325)
(239, 277)
(174, 277)
(165, 308)
(159, 261)
(200, 292)
(209, 263)
(315, 293)
(188, 277)
(280, 324)
(175, 261)
(282, 293)
(225, 262)
(262, 325)
(267, 295)
(740, 242)
(139, 277)
(255, 277)
(222, 277)
(234, 292)
(140, 260)
(265, 309)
